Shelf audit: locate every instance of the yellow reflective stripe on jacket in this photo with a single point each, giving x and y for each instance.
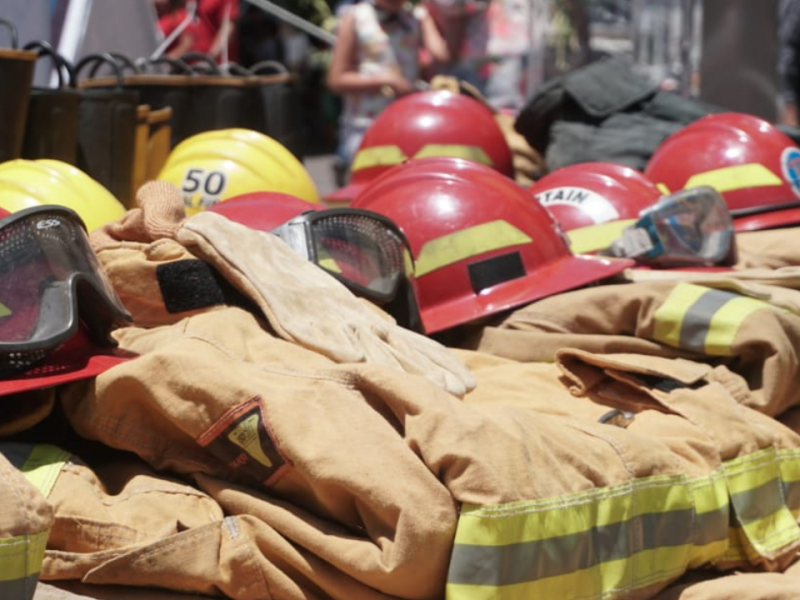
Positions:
(790, 477)
(466, 243)
(765, 523)
(625, 537)
(473, 153)
(737, 177)
(596, 237)
(588, 544)
(21, 557)
(21, 560)
(39, 463)
(43, 466)
(702, 319)
(378, 156)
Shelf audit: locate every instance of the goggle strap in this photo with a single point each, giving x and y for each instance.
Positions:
(634, 243)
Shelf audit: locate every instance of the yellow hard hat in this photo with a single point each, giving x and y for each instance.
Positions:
(213, 166)
(25, 183)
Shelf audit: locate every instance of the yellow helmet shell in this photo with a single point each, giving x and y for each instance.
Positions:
(213, 166)
(25, 183)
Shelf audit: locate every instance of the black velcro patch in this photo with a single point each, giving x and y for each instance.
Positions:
(489, 272)
(193, 284)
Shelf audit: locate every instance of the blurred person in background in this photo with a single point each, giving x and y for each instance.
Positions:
(489, 41)
(215, 30)
(376, 58)
(171, 15)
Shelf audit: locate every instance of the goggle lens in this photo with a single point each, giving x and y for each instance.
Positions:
(365, 250)
(46, 263)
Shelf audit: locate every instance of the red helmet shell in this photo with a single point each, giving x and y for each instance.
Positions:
(753, 165)
(481, 244)
(431, 123)
(593, 202)
(263, 210)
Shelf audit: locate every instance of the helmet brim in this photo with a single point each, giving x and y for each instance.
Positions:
(564, 274)
(77, 359)
(773, 219)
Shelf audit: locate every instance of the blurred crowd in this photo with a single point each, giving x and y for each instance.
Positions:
(383, 49)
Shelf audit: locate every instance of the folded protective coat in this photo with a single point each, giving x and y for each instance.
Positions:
(359, 480)
(748, 321)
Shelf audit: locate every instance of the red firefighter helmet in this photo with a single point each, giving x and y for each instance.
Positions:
(594, 202)
(480, 243)
(431, 123)
(753, 165)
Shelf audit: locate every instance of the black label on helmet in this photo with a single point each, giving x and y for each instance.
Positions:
(490, 272)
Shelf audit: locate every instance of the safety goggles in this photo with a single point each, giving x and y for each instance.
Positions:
(365, 250)
(690, 228)
(51, 284)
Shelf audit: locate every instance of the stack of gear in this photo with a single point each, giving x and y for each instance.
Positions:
(217, 165)
(291, 498)
(425, 124)
(481, 243)
(616, 211)
(300, 446)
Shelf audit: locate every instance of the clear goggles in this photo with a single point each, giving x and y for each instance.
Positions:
(51, 283)
(365, 250)
(692, 227)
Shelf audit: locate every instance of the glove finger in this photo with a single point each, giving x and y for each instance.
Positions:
(377, 350)
(457, 378)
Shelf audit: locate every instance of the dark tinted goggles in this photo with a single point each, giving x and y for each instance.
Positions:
(51, 282)
(365, 250)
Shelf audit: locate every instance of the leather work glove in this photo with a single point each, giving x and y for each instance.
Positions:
(306, 305)
(158, 214)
